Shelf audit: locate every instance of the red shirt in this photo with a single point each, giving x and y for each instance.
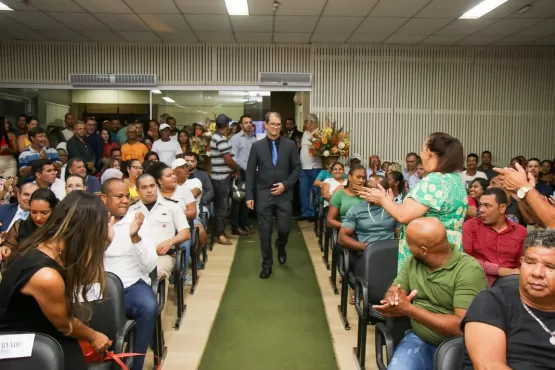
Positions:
(492, 249)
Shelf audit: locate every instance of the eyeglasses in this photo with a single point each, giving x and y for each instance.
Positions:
(274, 124)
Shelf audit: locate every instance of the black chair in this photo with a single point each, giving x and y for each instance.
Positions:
(449, 355)
(321, 221)
(334, 260)
(506, 281)
(348, 280)
(204, 220)
(47, 354)
(327, 238)
(314, 201)
(158, 344)
(380, 261)
(389, 334)
(211, 227)
(195, 257)
(108, 317)
(179, 281)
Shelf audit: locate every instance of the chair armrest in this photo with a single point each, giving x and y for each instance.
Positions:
(179, 255)
(159, 289)
(361, 298)
(343, 265)
(383, 338)
(126, 335)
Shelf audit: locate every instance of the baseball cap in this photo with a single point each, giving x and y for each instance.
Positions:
(62, 146)
(222, 119)
(111, 173)
(178, 163)
(164, 126)
(356, 156)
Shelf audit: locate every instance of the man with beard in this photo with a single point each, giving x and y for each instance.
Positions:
(434, 288)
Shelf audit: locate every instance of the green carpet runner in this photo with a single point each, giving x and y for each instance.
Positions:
(277, 323)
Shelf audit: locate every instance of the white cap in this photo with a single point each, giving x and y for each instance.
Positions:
(111, 173)
(356, 156)
(62, 145)
(178, 163)
(163, 126)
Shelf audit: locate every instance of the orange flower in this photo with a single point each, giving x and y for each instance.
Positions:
(334, 150)
(347, 152)
(316, 144)
(313, 152)
(324, 140)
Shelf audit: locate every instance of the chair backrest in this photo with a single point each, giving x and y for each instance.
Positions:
(108, 314)
(449, 355)
(47, 354)
(380, 259)
(506, 281)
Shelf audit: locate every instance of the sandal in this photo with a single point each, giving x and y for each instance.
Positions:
(352, 298)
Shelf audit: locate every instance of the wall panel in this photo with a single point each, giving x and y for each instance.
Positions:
(389, 97)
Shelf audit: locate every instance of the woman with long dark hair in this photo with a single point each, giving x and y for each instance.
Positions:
(41, 204)
(346, 196)
(108, 145)
(44, 288)
(477, 188)
(441, 194)
(396, 183)
(184, 142)
(8, 149)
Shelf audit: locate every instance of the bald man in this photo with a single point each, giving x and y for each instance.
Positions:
(434, 288)
(374, 166)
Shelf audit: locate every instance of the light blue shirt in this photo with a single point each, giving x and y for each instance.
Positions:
(241, 146)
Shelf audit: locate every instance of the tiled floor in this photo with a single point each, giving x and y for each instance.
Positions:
(185, 347)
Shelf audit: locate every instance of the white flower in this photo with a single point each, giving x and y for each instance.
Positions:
(208, 154)
(326, 153)
(341, 145)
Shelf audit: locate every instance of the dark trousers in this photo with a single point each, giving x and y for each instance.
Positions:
(222, 189)
(239, 210)
(265, 212)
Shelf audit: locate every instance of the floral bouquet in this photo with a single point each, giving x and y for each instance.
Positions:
(200, 142)
(330, 141)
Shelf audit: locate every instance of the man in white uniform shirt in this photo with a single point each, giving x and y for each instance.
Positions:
(311, 167)
(166, 148)
(166, 219)
(132, 256)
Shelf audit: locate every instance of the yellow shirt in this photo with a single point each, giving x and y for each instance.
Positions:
(134, 151)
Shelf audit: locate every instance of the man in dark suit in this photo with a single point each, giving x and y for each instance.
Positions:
(9, 213)
(273, 169)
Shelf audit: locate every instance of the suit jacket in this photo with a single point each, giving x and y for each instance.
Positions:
(286, 170)
(296, 136)
(7, 213)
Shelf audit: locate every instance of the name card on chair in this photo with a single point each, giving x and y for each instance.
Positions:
(16, 345)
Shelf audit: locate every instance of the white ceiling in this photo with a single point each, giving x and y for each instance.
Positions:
(296, 21)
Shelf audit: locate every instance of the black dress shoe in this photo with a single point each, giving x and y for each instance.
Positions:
(282, 256)
(311, 219)
(266, 272)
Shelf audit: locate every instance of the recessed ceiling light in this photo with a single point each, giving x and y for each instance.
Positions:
(484, 7)
(4, 7)
(237, 7)
(524, 9)
(156, 91)
(169, 100)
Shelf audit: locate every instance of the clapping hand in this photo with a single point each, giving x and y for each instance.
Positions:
(136, 224)
(396, 302)
(375, 195)
(514, 179)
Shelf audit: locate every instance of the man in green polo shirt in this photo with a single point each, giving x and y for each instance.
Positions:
(434, 289)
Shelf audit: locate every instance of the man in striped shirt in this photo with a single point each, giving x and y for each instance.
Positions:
(37, 150)
(223, 170)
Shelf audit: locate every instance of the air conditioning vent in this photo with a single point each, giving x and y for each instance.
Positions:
(285, 79)
(110, 80)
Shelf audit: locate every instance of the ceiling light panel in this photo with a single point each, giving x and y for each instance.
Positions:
(482, 8)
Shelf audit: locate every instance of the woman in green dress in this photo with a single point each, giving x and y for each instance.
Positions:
(439, 194)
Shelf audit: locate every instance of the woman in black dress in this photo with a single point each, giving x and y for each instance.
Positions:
(44, 289)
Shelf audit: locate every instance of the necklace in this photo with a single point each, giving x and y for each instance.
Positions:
(370, 214)
(551, 333)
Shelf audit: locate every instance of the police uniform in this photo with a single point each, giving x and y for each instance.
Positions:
(166, 219)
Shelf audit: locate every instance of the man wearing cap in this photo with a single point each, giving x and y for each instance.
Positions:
(279, 166)
(166, 148)
(241, 144)
(223, 167)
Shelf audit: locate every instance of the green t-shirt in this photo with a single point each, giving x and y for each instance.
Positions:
(371, 223)
(343, 202)
(452, 286)
(445, 196)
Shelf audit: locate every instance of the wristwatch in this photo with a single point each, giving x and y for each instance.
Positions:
(521, 193)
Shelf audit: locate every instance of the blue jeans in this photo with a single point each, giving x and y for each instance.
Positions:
(141, 305)
(307, 183)
(413, 354)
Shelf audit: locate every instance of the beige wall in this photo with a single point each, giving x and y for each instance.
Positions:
(94, 96)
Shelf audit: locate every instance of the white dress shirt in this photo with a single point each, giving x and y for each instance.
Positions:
(166, 219)
(194, 184)
(131, 262)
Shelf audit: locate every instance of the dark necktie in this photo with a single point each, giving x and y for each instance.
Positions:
(274, 153)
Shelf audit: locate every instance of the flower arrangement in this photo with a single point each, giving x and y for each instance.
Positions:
(330, 141)
(200, 142)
